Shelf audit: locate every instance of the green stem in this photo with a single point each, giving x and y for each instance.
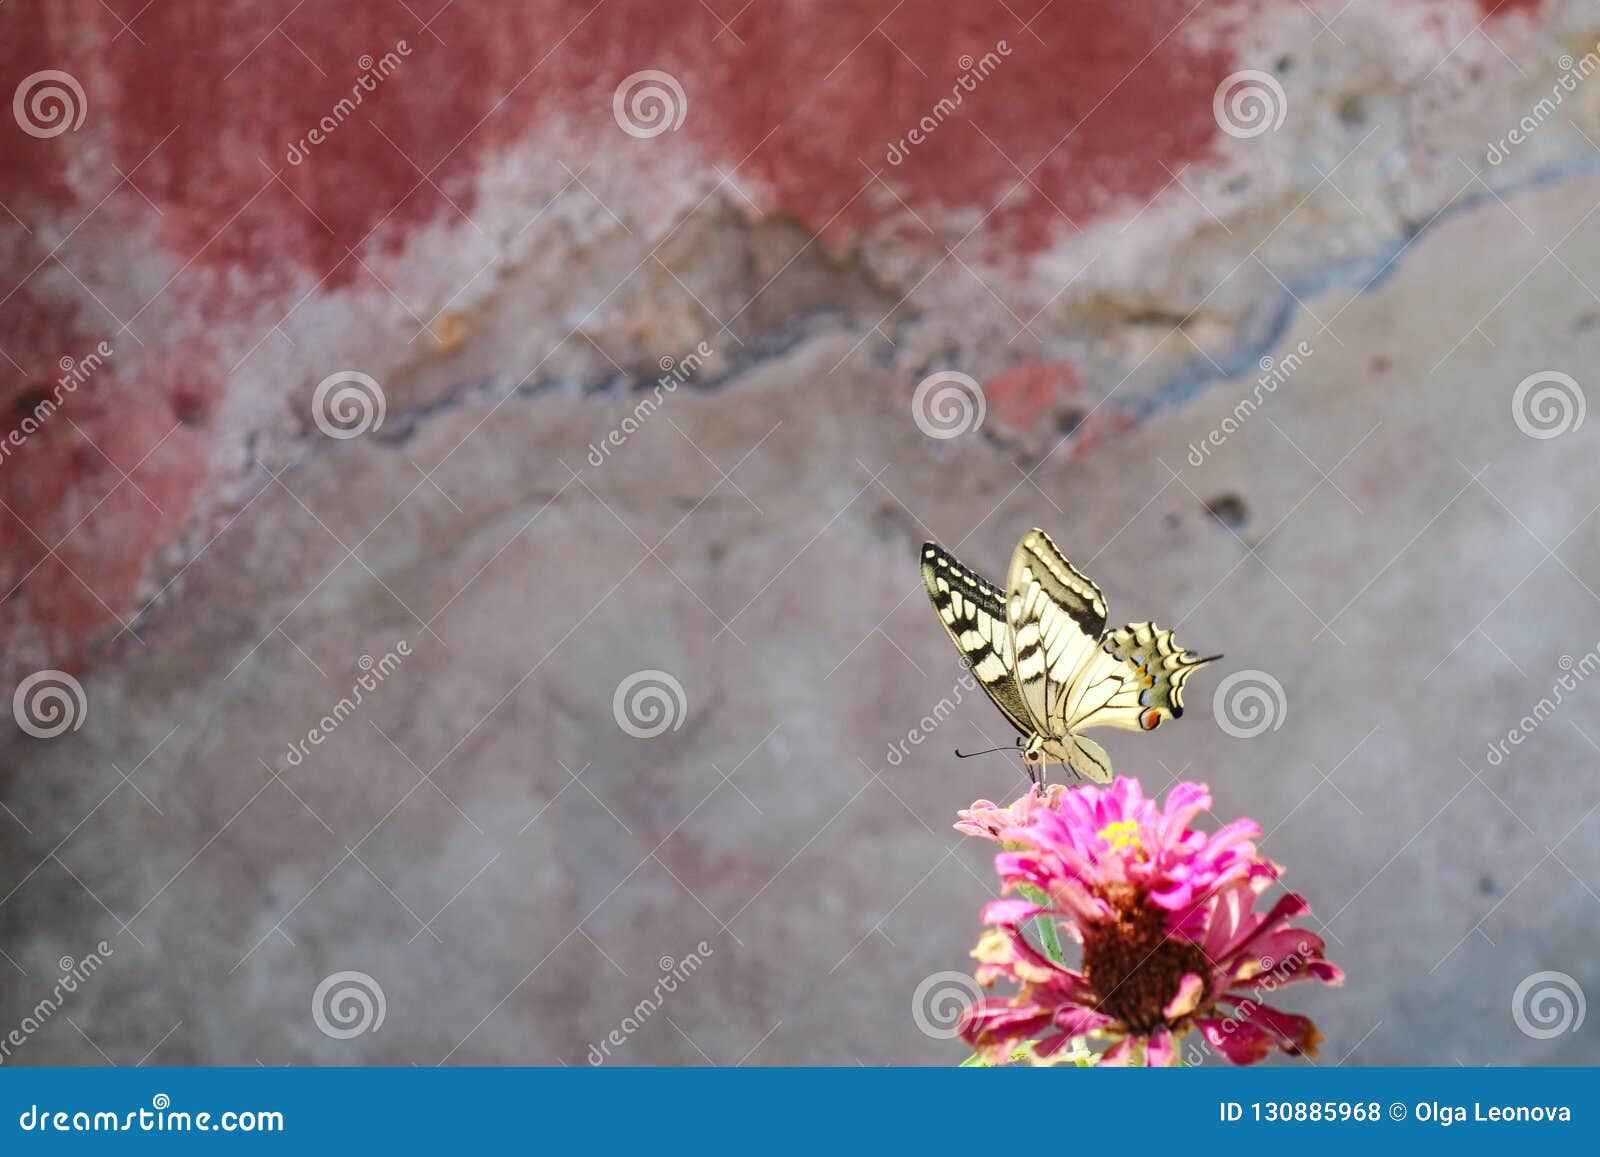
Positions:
(1044, 927)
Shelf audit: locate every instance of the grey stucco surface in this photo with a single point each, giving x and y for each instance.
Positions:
(513, 869)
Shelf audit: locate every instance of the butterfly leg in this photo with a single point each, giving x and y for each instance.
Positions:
(1033, 761)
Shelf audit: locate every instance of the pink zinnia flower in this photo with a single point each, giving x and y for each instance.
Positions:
(1165, 918)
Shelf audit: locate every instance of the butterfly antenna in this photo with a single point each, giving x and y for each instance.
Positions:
(990, 751)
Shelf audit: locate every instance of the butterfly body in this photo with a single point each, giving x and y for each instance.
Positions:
(1040, 650)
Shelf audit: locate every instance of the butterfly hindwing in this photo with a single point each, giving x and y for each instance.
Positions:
(973, 611)
(1152, 669)
(1087, 758)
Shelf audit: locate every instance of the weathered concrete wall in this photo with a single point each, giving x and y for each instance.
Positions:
(1097, 235)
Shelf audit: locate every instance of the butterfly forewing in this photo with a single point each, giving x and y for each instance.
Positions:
(973, 612)
(1056, 616)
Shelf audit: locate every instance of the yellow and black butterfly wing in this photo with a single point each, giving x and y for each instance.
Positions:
(1151, 669)
(1056, 617)
(1086, 757)
(973, 611)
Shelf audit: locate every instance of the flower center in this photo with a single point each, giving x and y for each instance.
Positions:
(1121, 835)
(1134, 966)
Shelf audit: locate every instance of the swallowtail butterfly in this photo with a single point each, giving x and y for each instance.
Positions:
(1040, 649)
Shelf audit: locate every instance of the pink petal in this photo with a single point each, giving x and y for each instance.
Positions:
(1239, 1042)
(1075, 1020)
(1184, 802)
(1251, 926)
(991, 1028)
(1006, 952)
(1230, 914)
(994, 1018)
(1009, 913)
(1019, 865)
(1295, 1035)
(1190, 989)
(1119, 1054)
(1076, 901)
(1173, 895)
(1158, 1050)
(1237, 832)
(1052, 1044)
(1284, 957)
